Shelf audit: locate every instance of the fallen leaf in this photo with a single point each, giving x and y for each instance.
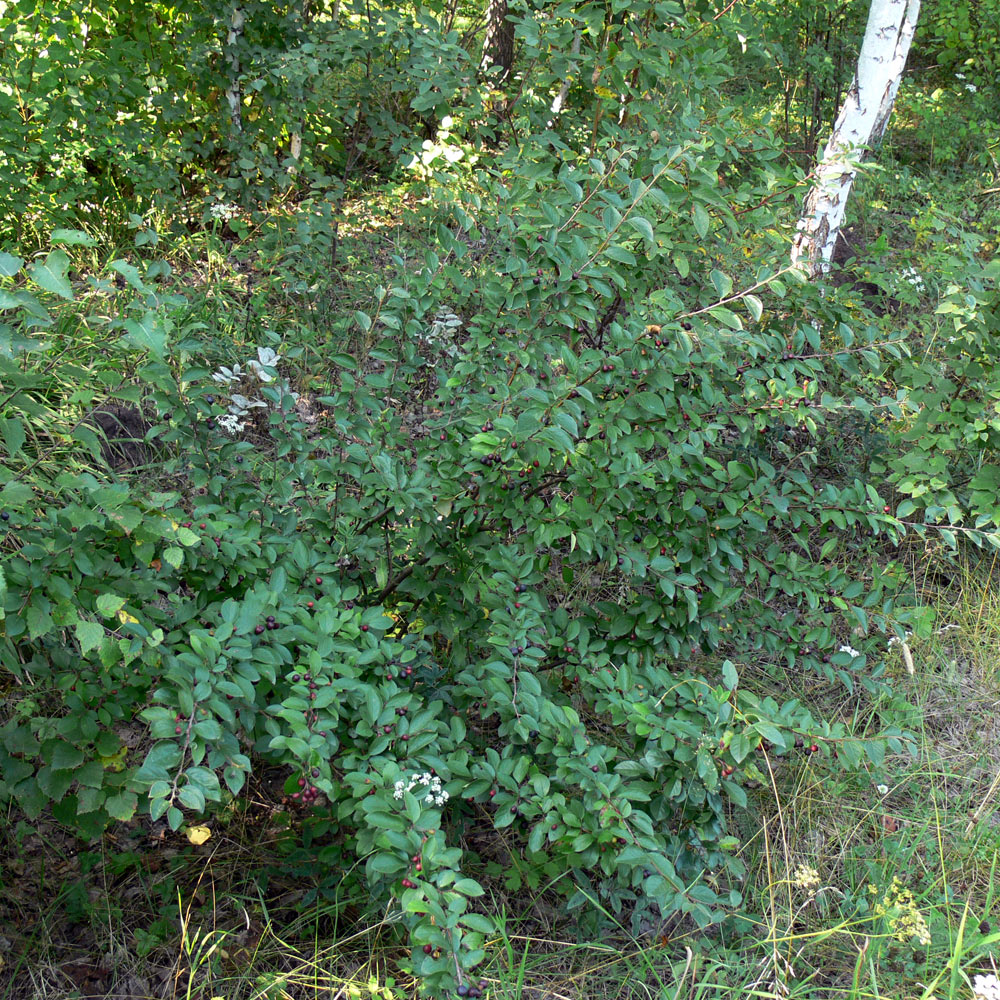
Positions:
(198, 834)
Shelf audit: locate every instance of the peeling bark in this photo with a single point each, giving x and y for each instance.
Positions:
(860, 126)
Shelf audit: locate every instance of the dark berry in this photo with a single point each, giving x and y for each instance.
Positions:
(463, 990)
(258, 630)
(210, 400)
(428, 948)
(319, 580)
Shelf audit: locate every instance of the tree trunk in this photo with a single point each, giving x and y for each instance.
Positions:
(560, 98)
(861, 124)
(498, 46)
(234, 93)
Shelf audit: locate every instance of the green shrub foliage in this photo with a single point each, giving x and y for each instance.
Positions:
(563, 478)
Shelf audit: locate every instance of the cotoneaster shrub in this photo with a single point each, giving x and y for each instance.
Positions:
(503, 565)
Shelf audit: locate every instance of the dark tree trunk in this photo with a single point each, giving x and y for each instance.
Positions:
(498, 46)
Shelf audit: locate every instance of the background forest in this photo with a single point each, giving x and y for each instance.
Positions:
(448, 549)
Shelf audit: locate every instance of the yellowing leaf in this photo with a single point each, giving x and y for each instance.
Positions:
(124, 617)
(198, 834)
(116, 762)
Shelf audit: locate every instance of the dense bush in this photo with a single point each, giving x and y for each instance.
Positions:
(503, 563)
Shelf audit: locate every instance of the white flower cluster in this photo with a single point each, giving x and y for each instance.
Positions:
(436, 795)
(912, 277)
(986, 987)
(239, 406)
(847, 649)
(805, 877)
(222, 212)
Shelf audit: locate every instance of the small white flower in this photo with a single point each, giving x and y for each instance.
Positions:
(425, 779)
(805, 877)
(847, 649)
(882, 789)
(222, 212)
(971, 88)
(231, 424)
(986, 987)
(913, 278)
(959, 76)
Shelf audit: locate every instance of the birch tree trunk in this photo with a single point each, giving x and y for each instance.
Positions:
(234, 93)
(560, 98)
(861, 124)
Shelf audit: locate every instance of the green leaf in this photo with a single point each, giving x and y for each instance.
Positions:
(771, 734)
(620, 254)
(39, 621)
(173, 556)
(109, 604)
(192, 797)
(65, 756)
(13, 433)
(701, 220)
(72, 237)
(50, 274)
(89, 635)
(9, 265)
(122, 806)
(129, 273)
(643, 226)
(739, 747)
(755, 306)
(54, 783)
(723, 283)
(148, 334)
(187, 537)
(729, 676)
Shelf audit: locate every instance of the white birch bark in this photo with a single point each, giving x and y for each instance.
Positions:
(234, 93)
(861, 124)
(560, 98)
